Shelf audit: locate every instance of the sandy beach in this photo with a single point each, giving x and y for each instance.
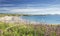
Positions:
(16, 19)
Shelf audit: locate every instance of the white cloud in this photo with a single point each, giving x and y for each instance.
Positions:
(25, 10)
(38, 11)
(52, 9)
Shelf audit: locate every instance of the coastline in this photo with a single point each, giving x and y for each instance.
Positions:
(19, 19)
(16, 19)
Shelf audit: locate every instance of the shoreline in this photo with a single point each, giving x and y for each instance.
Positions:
(16, 19)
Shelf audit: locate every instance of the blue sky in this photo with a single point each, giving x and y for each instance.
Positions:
(30, 6)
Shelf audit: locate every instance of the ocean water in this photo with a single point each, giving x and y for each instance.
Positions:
(50, 19)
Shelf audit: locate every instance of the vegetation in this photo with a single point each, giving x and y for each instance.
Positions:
(7, 14)
(21, 29)
(11, 29)
(10, 14)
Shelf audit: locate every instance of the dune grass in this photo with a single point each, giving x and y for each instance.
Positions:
(11, 29)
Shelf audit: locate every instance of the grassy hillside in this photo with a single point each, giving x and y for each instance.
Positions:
(10, 29)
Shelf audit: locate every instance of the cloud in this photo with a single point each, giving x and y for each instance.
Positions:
(40, 11)
(25, 10)
(31, 8)
(24, 5)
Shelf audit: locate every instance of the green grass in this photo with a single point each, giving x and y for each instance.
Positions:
(10, 29)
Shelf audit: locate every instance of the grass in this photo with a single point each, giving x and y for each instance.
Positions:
(11, 29)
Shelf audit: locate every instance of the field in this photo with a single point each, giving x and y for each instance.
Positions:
(11, 29)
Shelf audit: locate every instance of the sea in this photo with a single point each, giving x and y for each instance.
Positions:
(49, 19)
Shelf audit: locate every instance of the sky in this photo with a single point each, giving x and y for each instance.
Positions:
(30, 6)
